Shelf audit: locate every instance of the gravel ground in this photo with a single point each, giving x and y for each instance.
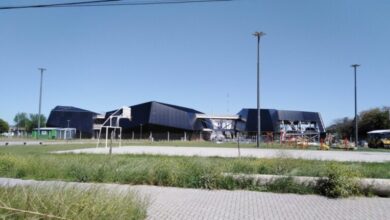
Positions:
(233, 152)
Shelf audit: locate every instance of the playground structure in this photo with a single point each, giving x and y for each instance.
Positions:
(302, 132)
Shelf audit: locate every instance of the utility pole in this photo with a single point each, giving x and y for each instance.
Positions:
(356, 117)
(258, 140)
(40, 103)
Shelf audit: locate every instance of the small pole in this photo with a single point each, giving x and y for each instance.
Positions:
(112, 133)
(106, 136)
(238, 144)
(140, 134)
(168, 135)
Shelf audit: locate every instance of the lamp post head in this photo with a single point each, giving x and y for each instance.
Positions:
(355, 65)
(258, 34)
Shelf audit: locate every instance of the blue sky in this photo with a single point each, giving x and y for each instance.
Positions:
(201, 56)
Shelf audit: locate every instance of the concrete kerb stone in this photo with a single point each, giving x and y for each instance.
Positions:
(380, 187)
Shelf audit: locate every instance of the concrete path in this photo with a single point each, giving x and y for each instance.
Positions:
(245, 152)
(179, 203)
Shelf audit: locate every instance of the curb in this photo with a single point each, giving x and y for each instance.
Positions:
(380, 187)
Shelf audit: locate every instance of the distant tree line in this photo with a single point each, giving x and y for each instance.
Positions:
(372, 119)
(28, 121)
(4, 127)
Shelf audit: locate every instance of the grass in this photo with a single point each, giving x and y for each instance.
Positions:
(35, 162)
(64, 202)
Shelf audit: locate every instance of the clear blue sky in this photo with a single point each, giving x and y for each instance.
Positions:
(201, 56)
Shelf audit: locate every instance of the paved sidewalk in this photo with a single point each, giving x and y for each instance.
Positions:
(178, 203)
(245, 152)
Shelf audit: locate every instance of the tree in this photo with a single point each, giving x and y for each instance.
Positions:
(342, 127)
(373, 119)
(4, 127)
(34, 121)
(21, 120)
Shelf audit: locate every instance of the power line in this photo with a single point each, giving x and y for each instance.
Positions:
(106, 3)
(58, 4)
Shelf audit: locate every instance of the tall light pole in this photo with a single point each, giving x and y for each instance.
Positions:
(40, 103)
(258, 35)
(356, 119)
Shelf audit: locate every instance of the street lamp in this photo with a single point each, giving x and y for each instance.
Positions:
(356, 119)
(258, 35)
(40, 102)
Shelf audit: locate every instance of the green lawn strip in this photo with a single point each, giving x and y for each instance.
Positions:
(191, 172)
(36, 162)
(65, 202)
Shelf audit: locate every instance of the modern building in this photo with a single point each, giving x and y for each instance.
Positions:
(72, 117)
(279, 122)
(273, 120)
(161, 121)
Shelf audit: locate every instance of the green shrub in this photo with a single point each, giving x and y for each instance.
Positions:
(339, 181)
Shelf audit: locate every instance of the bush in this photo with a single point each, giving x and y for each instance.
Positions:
(339, 181)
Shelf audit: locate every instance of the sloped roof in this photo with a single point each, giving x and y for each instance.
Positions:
(80, 119)
(60, 108)
(161, 114)
(270, 118)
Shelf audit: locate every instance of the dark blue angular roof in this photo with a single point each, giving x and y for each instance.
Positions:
(80, 119)
(271, 117)
(268, 119)
(162, 115)
(60, 108)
